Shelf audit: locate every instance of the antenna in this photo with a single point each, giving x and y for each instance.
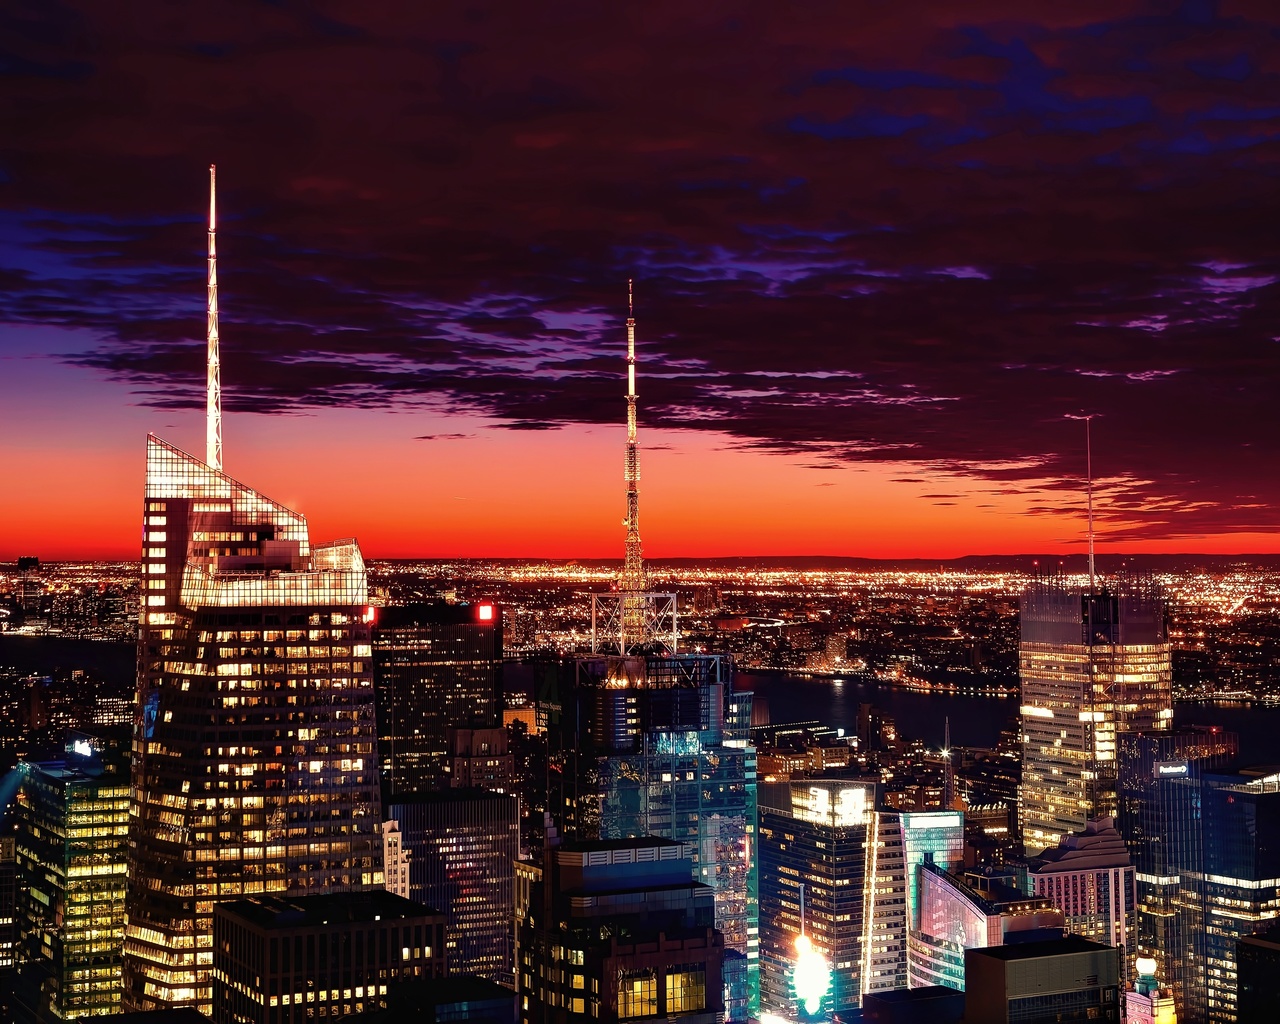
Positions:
(949, 774)
(213, 391)
(632, 583)
(1088, 461)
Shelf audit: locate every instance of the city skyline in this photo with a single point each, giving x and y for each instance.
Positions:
(879, 269)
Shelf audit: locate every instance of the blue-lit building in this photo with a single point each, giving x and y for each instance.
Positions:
(1161, 787)
(664, 750)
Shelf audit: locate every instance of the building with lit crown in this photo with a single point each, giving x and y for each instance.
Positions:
(1094, 667)
(255, 747)
(72, 822)
(1089, 877)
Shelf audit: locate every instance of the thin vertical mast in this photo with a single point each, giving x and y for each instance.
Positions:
(633, 583)
(213, 391)
(1088, 461)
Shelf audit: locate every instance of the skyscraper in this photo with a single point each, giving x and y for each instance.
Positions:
(255, 748)
(1094, 666)
(437, 667)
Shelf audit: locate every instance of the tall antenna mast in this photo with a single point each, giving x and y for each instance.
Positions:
(949, 772)
(1088, 461)
(632, 584)
(213, 391)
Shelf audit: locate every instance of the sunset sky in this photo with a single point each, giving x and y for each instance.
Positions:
(885, 255)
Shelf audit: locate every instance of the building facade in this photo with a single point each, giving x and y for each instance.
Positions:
(618, 930)
(437, 667)
(255, 748)
(462, 846)
(662, 745)
(1094, 667)
(1090, 878)
(281, 960)
(1069, 979)
(71, 841)
(956, 916)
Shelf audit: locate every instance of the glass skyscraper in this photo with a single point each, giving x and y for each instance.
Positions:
(255, 749)
(1094, 666)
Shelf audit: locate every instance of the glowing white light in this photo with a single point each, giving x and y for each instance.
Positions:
(811, 976)
(82, 748)
(1146, 966)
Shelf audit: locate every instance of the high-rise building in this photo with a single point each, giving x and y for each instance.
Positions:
(1159, 817)
(1094, 667)
(437, 666)
(255, 748)
(1090, 878)
(481, 758)
(71, 840)
(619, 930)
(833, 897)
(1258, 971)
(956, 915)
(286, 960)
(462, 846)
(663, 748)
(1068, 979)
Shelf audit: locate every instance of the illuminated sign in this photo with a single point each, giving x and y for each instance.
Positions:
(484, 612)
(1171, 769)
(82, 748)
(811, 977)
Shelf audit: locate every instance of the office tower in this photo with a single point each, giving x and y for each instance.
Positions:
(619, 929)
(9, 933)
(1090, 878)
(255, 748)
(958, 914)
(436, 666)
(462, 845)
(1048, 982)
(285, 960)
(663, 748)
(929, 837)
(1147, 1001)
(833, 897)
(1231, 888)
(254, 745)
(1159, 817)
(447, 1000)
(1258, 972)
(71, 841)
(1095, 666)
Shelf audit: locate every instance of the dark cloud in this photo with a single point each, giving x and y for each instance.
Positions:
(923, 235)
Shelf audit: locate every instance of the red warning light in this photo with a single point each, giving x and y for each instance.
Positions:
(369, 615)
(484, 612)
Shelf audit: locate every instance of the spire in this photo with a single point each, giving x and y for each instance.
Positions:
(213, 395)
(632, 583)
(949, 776)
(1088, 461)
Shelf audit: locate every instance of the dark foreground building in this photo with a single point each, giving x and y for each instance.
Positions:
(617, 930)
(1050, 982)
(285, 961)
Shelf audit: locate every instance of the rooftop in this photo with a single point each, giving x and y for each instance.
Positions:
(329, 908)
(1036, 950)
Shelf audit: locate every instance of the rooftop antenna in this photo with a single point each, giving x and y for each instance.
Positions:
(632, 583)
(1088, 461)
(949, 774)
(213, 391)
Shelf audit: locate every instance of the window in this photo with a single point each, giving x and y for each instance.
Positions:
(638, 995)
(686, 989)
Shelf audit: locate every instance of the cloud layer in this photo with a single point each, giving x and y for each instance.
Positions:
(918, 234)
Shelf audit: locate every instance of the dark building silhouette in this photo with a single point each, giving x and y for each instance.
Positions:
(1258, 973)
(437, 666)
(1049, 982)
(617, 930)
(281, 960)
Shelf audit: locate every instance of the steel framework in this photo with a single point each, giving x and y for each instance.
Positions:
(622, 622)
(213, 395)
